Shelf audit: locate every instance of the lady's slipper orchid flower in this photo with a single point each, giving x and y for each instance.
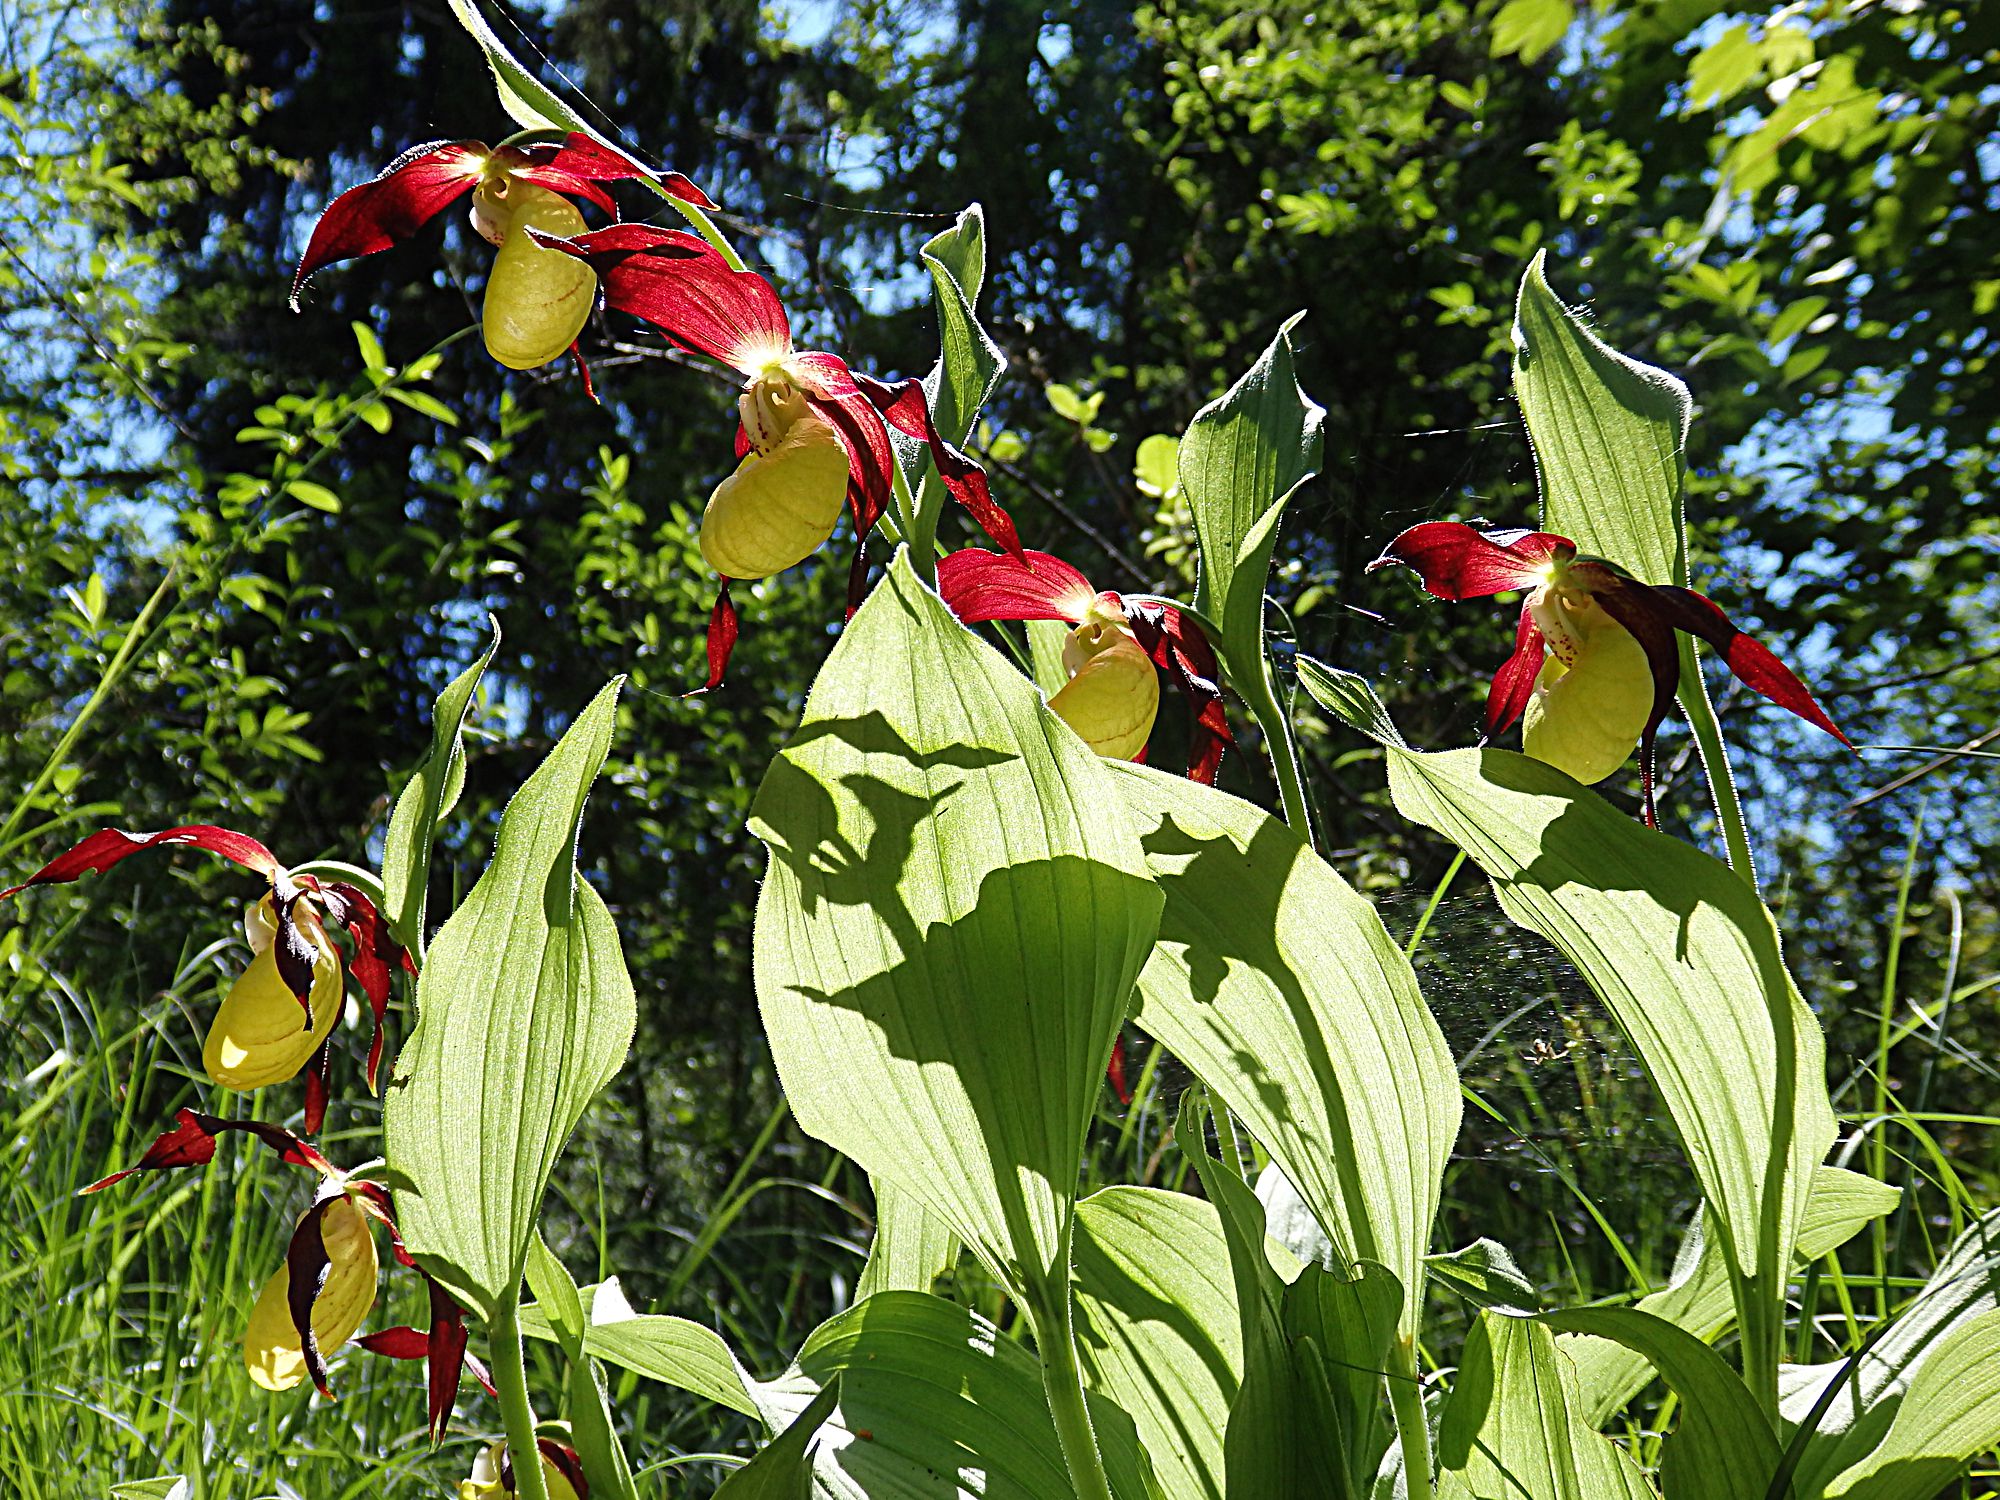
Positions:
(280, 1014)
(812, 433)
(1111, 654)
(1595, 664)
(492, 1476)
(536, 300)
(324, 1291)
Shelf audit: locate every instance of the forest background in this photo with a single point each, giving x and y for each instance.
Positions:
(1792, 207)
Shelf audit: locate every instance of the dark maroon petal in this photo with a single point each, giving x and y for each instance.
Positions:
(316, 1079)
(1639, 608)
(373, 1199)
(587, 159)
(583, 373)
(443, 1347)
(1179, 648)
(191, 1143)
(297, 954)
(401, 1342)
(871, 458)
(1115, 1074)
(1514, 683)
(307, 1263)
(680, 284)
(1456, 561)
(416, 186)
(723, 628)
(1753, 663)
(857, 577)
(108, 846)
(905, 407)
(376, 955)
(566, 1463)
(981, 585)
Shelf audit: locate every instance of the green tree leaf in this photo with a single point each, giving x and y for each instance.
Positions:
(1531, 27)
(425, 799)
(1244, 455)
(1157, 1325)
(929, 814)
(524, 1011)
(1156, 466)
(1280, 987)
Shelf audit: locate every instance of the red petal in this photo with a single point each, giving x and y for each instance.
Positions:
(566, 1463)
(322, 1063)
(394, 206)
(871, 459)
(1641, 610)
(1753, 663)
(108, 846)
(401, 1342)
(376, 955)
(904, 405)
(1115, 1073)
(374, 1200)
(297, 955)
(723, 628)
(191, 1143)
(680, 284)
(1514, 683)
(1456, 561)
(1179, 648)
(587, 158)
(308, 1263)
(981, 585)
(583, 372)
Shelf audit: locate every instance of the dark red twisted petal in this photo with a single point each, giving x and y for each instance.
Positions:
(680, 284)
(904, 406)
(1638, 607)
(191, 1143)
(307, 1264)
(871, 457)
(411, 191)
(583, 373)
(588, 159)
(443, 1348)
(723, 628)
(1116, 1073)
(979, 585)
(1456, 561)
(376, 957)
(1753, 663)
(1179, 648)
(373, 1199)
(108, 846)
(566, 1464)
(316, 1082)
(1514, 683)
(297, 955)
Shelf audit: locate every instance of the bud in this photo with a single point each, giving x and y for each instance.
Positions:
(536, 300)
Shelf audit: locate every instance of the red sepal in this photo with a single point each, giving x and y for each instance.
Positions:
(1457, 561)
(979, 585)
(723, 628)
(1115, 1074)
(680, 284)
(443, 1347)
(1514, 683)
(307, 1264)
(1179, 648)
(1755, 666)
(410, 192)
(108, 846)
(376, 955)
(191, 1143)
(904, 406)
(586, 159)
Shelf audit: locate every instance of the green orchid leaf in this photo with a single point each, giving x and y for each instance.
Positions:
(1697, 1297)
(912, 1248)
(524, 1012)
(1948, 1416)
(1722, 1447)
(1684, 955)
(674, 1351)
(933, 1395)
(1045, 648)
(1871, 1393)
(424, 801)
(1486, 1275)
(927, 814)
(968, 367)
(783, 1467)
(1157, 1326)
(605, 1467)
(526, 100)
(1350, 698)
(1607, 431)
(1243, 456)
(1510, 1426)
(1280, 987)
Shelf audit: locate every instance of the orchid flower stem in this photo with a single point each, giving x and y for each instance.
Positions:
(1715, 763)
(1262, 699)
(1413, 1428)
(517, 1414)
(1062, 1380)
(705, 227)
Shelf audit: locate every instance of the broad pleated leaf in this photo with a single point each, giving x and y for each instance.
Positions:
(1681, 951)
(955, 912)
(783, 1467)
(1870, 1392)
(524, 1011)
(937, 1402)
(1243, 456)
(1607, 433)
(1722, 1447)
(1486, 1274)
(1949, 1416)
(969, 362)
(1697, 1298)
(912, 1248)
(674, 1351)
(1156, 1325)
(425, 799)
(1279, 986)
(592, 1429)
(1510, 1426)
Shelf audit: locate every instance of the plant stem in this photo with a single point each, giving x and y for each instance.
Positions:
(1715, 762)
(1760, 1331)
(1254, 686)
(517, 1414)
(1885, 1010)
(1413, 1429)
(1055, 1342)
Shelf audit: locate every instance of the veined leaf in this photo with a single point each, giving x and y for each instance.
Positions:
(1486, 1274)
(1157, 1326)
(783, 1467)
(912, 1248)
(1949, 1415)
(1681, 951)
(1280, 987)
(603, 1457)
(945, 945)
(673, 1351)
(424, 801)
(1243, 456)
(969, 362)
(524, 1011)
(935, 1401)
(1510, 1425)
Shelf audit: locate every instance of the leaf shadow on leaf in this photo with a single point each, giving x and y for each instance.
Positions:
(1106, 1279)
